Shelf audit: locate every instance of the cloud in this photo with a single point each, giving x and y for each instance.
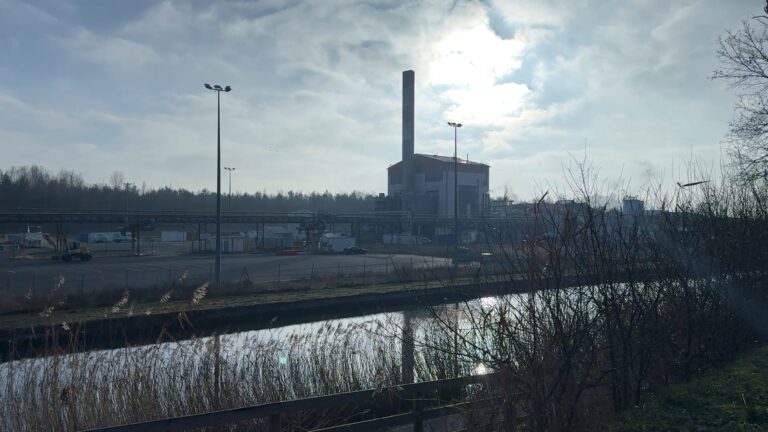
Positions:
(316, 99)
(20, 116)
(119, 54)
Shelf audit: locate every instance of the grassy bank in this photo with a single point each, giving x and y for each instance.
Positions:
(733, 398)
(202, 302)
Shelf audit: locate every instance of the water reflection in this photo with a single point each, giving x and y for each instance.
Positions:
(368, 343)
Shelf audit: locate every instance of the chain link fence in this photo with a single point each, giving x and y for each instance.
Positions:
(28, 289)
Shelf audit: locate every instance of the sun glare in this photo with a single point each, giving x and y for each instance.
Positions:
(471, 62)
(474, 57)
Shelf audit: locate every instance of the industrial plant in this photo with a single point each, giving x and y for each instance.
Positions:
(427, 184)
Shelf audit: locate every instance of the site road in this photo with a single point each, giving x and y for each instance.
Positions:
(117, 273)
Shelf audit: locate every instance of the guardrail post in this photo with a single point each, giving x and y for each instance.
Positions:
(275, 423)
(418, 420)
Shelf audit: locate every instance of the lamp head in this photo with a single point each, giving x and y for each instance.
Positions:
(208, 86)
(227, 88)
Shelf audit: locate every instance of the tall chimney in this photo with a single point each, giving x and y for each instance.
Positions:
(408, 121)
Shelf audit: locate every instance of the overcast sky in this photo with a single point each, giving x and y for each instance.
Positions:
(97, 86)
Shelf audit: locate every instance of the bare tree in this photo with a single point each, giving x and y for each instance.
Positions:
(116, 179)
(743, 55)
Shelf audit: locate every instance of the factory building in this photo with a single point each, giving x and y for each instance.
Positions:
(424, 183)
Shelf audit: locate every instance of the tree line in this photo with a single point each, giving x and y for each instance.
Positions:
(35, 187)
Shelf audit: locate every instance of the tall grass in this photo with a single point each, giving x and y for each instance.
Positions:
(91, 389)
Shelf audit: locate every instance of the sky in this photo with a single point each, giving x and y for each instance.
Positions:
(97, 87)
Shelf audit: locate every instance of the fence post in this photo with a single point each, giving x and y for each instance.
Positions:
(311, 275)
(126, 279)
(386, 271)
(82, 284)
(338, 277)
(363, 272)
(418, 421)
(278, 276)
(33, 286)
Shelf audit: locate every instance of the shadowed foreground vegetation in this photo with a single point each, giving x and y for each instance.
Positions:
(734, 398)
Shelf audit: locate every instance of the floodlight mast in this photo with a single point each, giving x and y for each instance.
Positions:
(456, 242)
(218, 89)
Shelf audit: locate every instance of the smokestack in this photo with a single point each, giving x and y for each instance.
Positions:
(408, 113)
(408, 121)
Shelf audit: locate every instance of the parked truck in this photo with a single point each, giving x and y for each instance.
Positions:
(76, 250)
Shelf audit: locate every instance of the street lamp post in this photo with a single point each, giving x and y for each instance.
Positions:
(455, 127)
(128, 187)
(127, 194)
(229, 197)
(218, 89)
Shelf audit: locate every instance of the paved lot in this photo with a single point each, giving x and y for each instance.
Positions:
(118, 272)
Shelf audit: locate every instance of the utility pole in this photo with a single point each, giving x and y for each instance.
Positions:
(218, 89)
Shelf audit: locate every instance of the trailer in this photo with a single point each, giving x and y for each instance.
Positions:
(335, 243)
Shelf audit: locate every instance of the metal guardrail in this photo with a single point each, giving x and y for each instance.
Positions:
(415, 393)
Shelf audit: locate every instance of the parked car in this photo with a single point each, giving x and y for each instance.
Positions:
(354, 250)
